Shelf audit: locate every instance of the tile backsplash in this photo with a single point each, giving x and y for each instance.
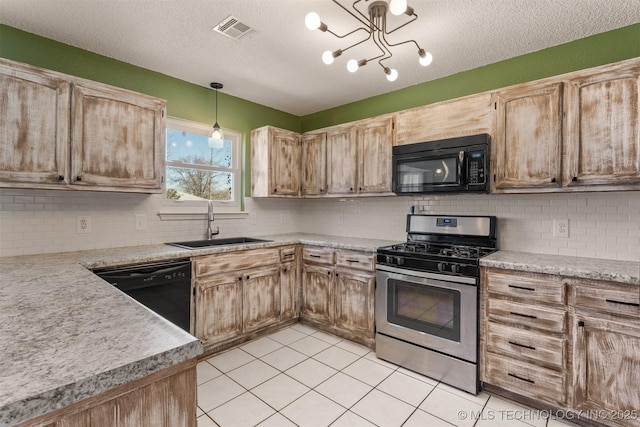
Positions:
(603, 225)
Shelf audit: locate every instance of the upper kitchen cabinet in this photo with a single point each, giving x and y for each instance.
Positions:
(527, 138)
(34, 126)
(576, 132)
(117, 138)
(375, 139)
(275, 162)
(63, 132)
(469, 115)
(314, 164)
(603, 130)
(342, 165)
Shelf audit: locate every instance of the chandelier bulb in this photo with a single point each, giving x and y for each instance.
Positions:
(313, 22)
(398, 7)
(352, 65)
(425, 57)
(392, 74)
(327, 57)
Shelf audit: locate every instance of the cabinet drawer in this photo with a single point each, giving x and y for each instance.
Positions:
(288, 253)
(615, 299)
(527, 315)
(526, 345)
(525, 379)
(357, 260)
(543, 289)
(317, 255)
(234, 261)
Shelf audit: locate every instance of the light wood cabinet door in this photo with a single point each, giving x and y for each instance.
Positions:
(260, 298)
(354, 302)
(219, 307)
(603, 138)
(284, 161)
(314, 164)
(101, 415)
(317, 293)
(34, 126)
(342, 159)
(289, 291)
(375, 140)
(527, 143)
(606, 366)
(118, 138)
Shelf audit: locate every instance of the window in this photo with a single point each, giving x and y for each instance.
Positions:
(201, 169)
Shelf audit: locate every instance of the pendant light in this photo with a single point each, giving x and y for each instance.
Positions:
(216, 140)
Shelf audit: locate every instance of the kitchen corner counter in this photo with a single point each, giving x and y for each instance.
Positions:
(67, 335)
(584, 268)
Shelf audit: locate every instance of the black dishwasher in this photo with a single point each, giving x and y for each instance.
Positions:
(164, 287)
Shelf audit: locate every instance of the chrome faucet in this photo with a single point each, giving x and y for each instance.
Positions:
(210, 218)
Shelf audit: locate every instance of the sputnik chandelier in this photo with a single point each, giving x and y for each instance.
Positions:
(375, 25)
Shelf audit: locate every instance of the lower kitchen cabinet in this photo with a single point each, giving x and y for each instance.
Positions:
(317, 301)
(338, 292)
(261, 298)
(572, 343)
(219, 308)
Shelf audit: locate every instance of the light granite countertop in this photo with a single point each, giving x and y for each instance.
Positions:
(67, 335)
(583, 268)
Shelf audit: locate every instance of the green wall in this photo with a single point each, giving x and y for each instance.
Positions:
(192, 102)
(604, 48)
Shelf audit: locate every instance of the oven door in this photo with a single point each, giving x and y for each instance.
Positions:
(425, 172)
(423, 309)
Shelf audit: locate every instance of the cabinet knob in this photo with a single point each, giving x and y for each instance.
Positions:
(351, 189)
(321, 190)
(78, 178)
(553, 180)
(581, 324)
(275, 190)
(359, 188)
(60, 177)
(574, 179)
(329, 273)
(248, 277)
(240, 278)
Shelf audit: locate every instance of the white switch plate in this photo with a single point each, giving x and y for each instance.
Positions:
(140, 222)
(561, 228)
(283, 217)
(340, 218)
(253, 218)
(83, 224)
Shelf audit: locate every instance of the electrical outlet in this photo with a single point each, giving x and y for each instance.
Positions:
(283, 217)
(253, 218)
(561, 228)
(340, 218)
(140, 222)
(83, 224)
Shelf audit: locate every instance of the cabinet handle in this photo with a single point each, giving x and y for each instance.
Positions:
(554, 180)
(524, 288)
(632, 304)
(528, 316)
(315, 256)
(60, 177)
(352, 260)
(287, 255)
(574, 179)
(521, 378)
(522, 345)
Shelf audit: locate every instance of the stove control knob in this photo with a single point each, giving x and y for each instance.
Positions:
(455, 268)
(400, 261)
(441, 266)
(389, 259)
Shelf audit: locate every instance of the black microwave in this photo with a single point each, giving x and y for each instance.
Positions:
(455, 165)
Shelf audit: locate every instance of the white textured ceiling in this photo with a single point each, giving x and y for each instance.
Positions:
(280, 66)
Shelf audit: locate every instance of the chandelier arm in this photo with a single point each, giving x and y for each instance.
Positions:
(349, 33)
(368, 19)
(398, 44)
(360, 42)
(414, 17)
(364, 22)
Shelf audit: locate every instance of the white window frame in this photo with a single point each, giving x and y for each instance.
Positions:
(190, 207)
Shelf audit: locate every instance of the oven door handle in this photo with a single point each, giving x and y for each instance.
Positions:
(443, 277)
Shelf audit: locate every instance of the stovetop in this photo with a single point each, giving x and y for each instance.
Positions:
(451, 245)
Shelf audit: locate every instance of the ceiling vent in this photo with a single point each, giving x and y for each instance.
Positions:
(233, 28)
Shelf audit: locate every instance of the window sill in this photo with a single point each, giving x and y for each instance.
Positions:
(180, 213)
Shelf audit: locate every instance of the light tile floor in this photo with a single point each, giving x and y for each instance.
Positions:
(300, 376)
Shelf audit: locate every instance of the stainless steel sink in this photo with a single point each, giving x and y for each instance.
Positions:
(199, 244)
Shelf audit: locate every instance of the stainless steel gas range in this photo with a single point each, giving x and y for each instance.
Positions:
(427, 297)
